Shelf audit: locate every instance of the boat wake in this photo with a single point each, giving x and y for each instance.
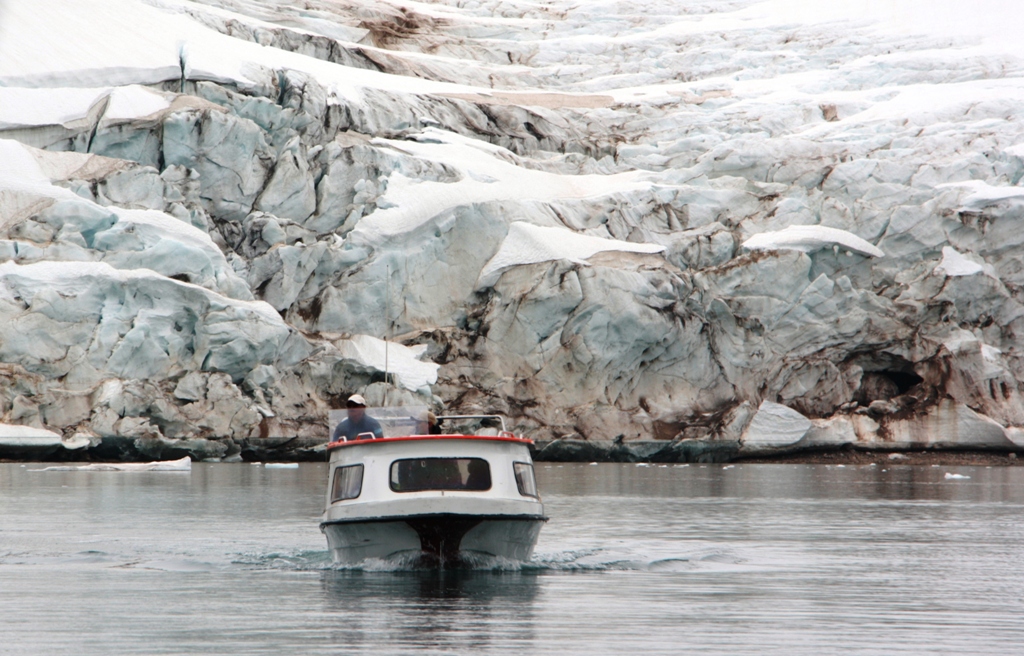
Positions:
(576, 560)
(595, 559)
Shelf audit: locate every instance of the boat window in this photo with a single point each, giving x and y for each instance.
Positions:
(525, 480)
(418, 474)
(348, 483)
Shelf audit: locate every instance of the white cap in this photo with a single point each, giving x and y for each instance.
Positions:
(357, 399)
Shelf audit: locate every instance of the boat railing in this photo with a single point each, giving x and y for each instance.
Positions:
(398, 422)
(498, 417)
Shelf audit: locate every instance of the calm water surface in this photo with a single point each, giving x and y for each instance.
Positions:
(788, 559)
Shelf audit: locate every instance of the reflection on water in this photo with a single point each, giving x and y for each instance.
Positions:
(746, 559)
(456, 611)
(774, 481)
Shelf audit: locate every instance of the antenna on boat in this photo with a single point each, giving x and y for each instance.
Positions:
(387, 329)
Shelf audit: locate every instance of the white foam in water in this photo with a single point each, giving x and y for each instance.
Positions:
(175, 565)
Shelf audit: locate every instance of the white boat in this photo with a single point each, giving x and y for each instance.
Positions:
(437, 499)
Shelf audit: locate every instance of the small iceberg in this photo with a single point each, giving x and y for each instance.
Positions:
(281, 465)
(950, 477)
(180, 465)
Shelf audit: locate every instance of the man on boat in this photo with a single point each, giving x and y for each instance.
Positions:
(428, 425)
(358, 425)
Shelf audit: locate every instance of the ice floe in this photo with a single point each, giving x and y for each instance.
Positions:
(180, 465)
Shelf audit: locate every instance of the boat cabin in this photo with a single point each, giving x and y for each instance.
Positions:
(469, 488)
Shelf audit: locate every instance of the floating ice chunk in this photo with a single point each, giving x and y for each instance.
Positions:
(528, 244)
(950, 477)
(955, 263)
(281, 465)
(811, 238)
(180, 465)
(403, 362)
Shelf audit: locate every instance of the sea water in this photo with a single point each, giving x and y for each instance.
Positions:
(657, 559)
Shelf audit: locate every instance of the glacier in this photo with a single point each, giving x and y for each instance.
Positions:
(756, 225)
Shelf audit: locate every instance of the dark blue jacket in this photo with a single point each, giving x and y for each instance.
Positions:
(349, 429)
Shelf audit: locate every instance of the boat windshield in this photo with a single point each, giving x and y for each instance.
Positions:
(379, 422)
(369, 423)
(419, 474)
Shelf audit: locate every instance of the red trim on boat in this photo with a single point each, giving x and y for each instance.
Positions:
(410, 438)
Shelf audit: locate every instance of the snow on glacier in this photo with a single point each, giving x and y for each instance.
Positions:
(124, 238)
(955, 263)
(982, 194)
(141, 44)
(809, 238)
(26, 106)
(28, 437)
(403, 362)
(8, 431)
(529, 244)
(489, 174)
(134, 101)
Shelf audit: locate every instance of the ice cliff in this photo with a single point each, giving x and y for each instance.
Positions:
(768, 222)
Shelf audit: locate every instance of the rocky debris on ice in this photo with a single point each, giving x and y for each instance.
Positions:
(615, 224)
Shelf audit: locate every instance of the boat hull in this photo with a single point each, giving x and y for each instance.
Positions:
(440, 538)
